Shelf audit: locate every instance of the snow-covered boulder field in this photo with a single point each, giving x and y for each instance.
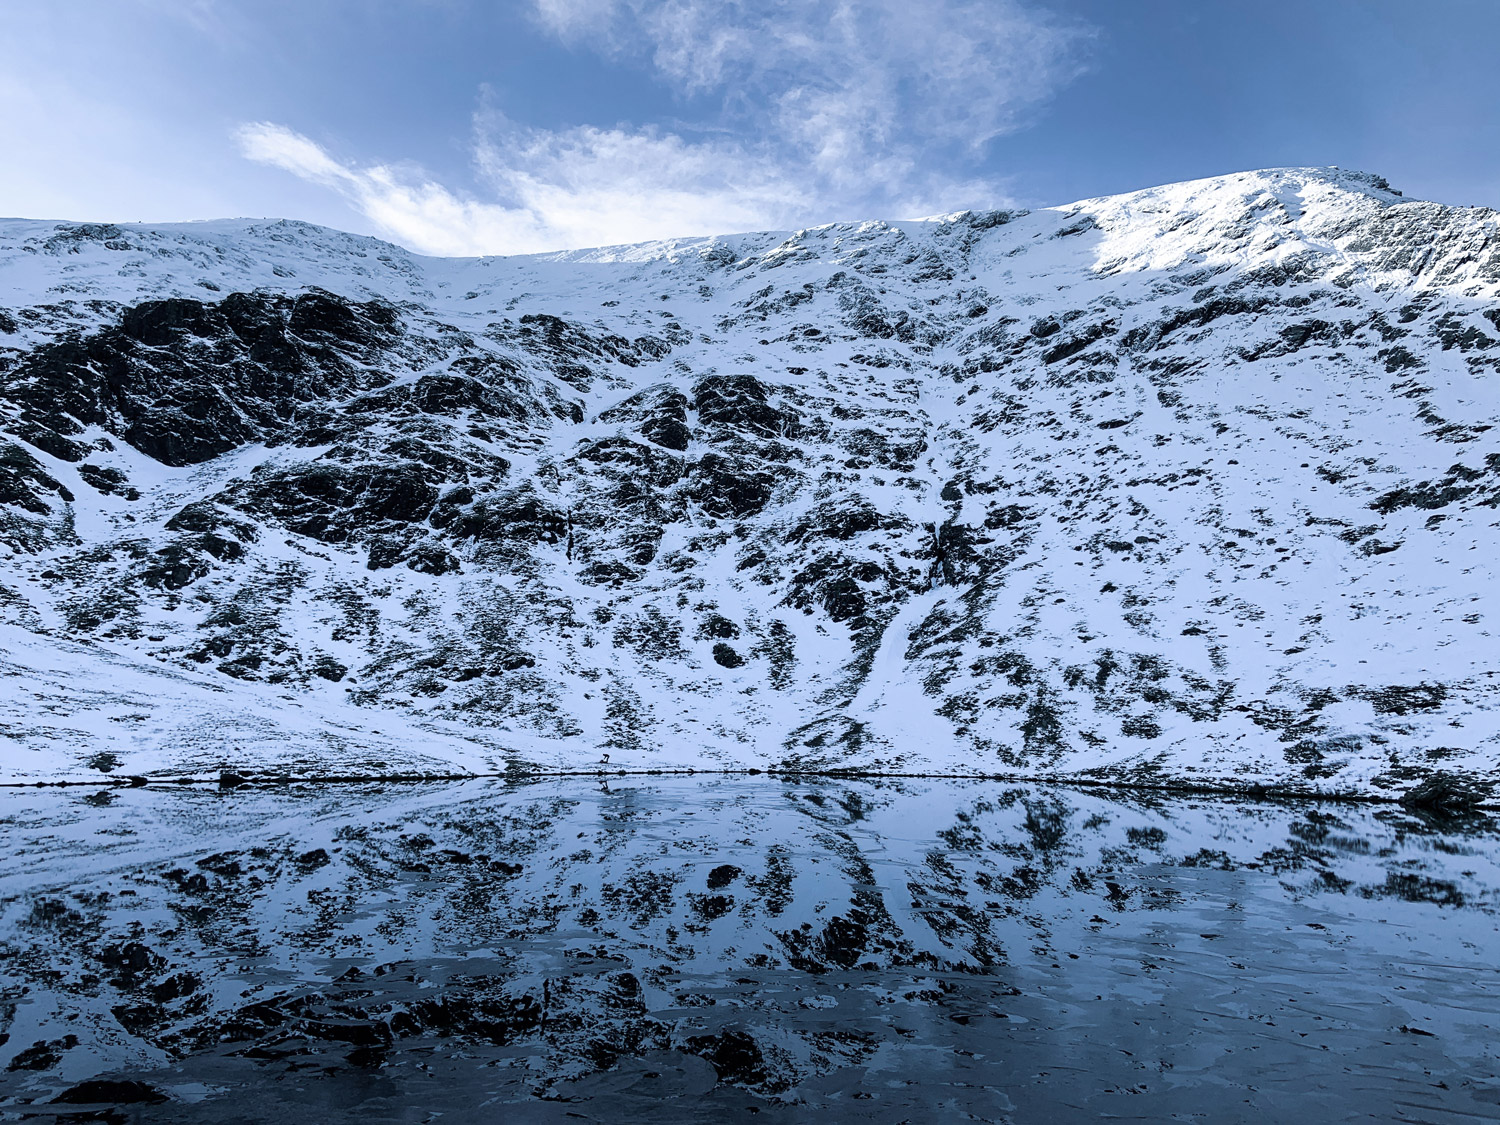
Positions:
(1197, 485)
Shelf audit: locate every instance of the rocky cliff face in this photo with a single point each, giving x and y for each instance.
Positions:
(1197, 484)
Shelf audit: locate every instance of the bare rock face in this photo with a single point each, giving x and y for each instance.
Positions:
(183, 381)
(1195, 485)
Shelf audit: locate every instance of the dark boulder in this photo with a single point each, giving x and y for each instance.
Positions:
(958, 554)
(660, 414)
(741, 402)
(735, 1056)
(1446, 794)
(110, 1092)
(728, 488)
(425, 556)
(844, 519)
(726, 657)
(719, 627)
(632, 463)
(25, 484)
(340, 503)
(522, 516)
(205, 531)
(174, 566)
(110, 481)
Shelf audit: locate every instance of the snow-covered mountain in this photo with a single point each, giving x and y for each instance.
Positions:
(1195, 485)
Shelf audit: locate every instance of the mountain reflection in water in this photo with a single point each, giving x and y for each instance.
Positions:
(702, 949)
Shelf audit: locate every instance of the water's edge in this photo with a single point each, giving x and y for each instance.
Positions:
(1474, 794)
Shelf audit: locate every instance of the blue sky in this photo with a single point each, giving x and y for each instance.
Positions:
(485, 126)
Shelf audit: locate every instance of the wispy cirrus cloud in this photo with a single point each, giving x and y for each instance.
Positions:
(825, 109)
(552, 189)
(841, 76)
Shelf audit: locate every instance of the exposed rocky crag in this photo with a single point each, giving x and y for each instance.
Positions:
(1193, 485)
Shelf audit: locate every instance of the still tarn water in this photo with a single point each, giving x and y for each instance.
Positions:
(694, 949)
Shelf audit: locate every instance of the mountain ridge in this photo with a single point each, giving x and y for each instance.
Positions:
(996, 492)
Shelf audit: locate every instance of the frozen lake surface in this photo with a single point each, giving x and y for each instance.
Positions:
(715, 949)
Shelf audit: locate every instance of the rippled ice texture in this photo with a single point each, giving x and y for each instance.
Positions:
(694, 949)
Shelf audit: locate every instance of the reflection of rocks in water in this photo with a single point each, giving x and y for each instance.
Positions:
(699, 941)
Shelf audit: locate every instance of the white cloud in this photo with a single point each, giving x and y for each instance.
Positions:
(590, 184)
(830, 110)
(555, 190)
(845, 77)
(275, 145)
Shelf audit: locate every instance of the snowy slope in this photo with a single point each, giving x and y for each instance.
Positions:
(1191, 485)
